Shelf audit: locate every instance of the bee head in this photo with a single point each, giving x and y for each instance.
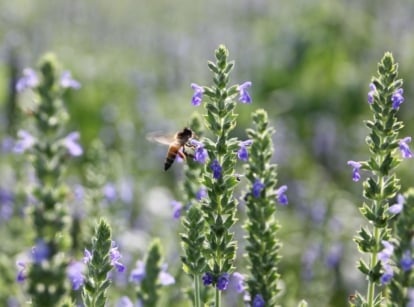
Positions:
(187, 132)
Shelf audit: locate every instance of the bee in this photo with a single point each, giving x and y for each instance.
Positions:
(176, 145)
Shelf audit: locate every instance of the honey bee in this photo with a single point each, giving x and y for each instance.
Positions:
(176, 145)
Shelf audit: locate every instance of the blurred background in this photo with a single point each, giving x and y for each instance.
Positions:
(310, 62)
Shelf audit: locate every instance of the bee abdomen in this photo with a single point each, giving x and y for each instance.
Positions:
(169, 160)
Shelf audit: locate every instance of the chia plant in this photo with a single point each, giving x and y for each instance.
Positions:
(48, 148)
(261, 225)
(382, 185)
(219, 178)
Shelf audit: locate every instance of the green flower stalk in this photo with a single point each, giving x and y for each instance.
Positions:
(48, 149)
(103, 257)
(261, 225)
(382, 185)
(402, 280)
(150, 275)
(219, 178)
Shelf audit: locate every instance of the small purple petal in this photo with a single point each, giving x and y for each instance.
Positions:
(87, 256)
(371, 93)
(387, 252)
(66, 81)
(223, 281)
(25, 142)
(29, 80)
(406, 261)
(40, 251)
(387, 275)
(115, 256)
(124, 301)
(198, 94)
(21, 274)
(258, 301)
(70, 142)
(404, 148)
(257, 188)
(244, 94)
(74, 273)
(240, 282)
(216, 168)
(177, 208)
(397, 98)
(281, 196)
(166, 279)
(355, 172)
(397, 207)
(207, 279)
(201, 193)
(139, 273)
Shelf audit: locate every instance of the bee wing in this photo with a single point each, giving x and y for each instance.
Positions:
(161, 138)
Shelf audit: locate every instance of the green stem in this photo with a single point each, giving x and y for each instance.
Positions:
(371, 284)
(197, 301)
(218, 298)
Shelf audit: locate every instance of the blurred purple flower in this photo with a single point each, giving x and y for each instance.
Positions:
(207, 279)
(243, 154)
(70, 142)
(386, 253)
(371, 93)
(216, 168)
(397, 208)
(124, 301)
(244, 94)
(28, 80)
(115, 256)
(166, 278)
(281, 196)
(223, 281)
(201, 193)
(75, 274)
(334, 255)
(258, 301)
(40, 251)
(26, 141)
(66, 81)
(109, 192)
(198, 94)
(387, 275)
(7, 144)
(6, 204)
(406, 261)
(257, 188)
(239, 281)
(355, 172)
(177, 208)
(138, 274)
(397, 98)
(404, 148)
(87, 256)
(21, 274)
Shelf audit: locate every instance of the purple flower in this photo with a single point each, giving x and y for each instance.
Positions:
(258, 186)
(109, 192)
(115, 256)
(87, 256)
(21, 274)
(242, 154)
(66, 81)
(40, 251)
(406, 261)
(371, 93)
(244, 94)
(334, 255)
(139, 273)
(355, 172)
(29, 80)
(74, 273)
(70, 142)
(223, 281)
(216, 168)
(387, 275)
(386, 253)
(25, 142)
(177, 208)
(258, 301)
(281, 196)
(200, 154)
(166, 278)
(201, 193)
(124, 301)
(207, 279)
(404, 148)
(397, 98)
(397, 208)
(198, 94)
(240, 282)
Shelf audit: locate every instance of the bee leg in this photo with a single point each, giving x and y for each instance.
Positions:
(182, 155)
